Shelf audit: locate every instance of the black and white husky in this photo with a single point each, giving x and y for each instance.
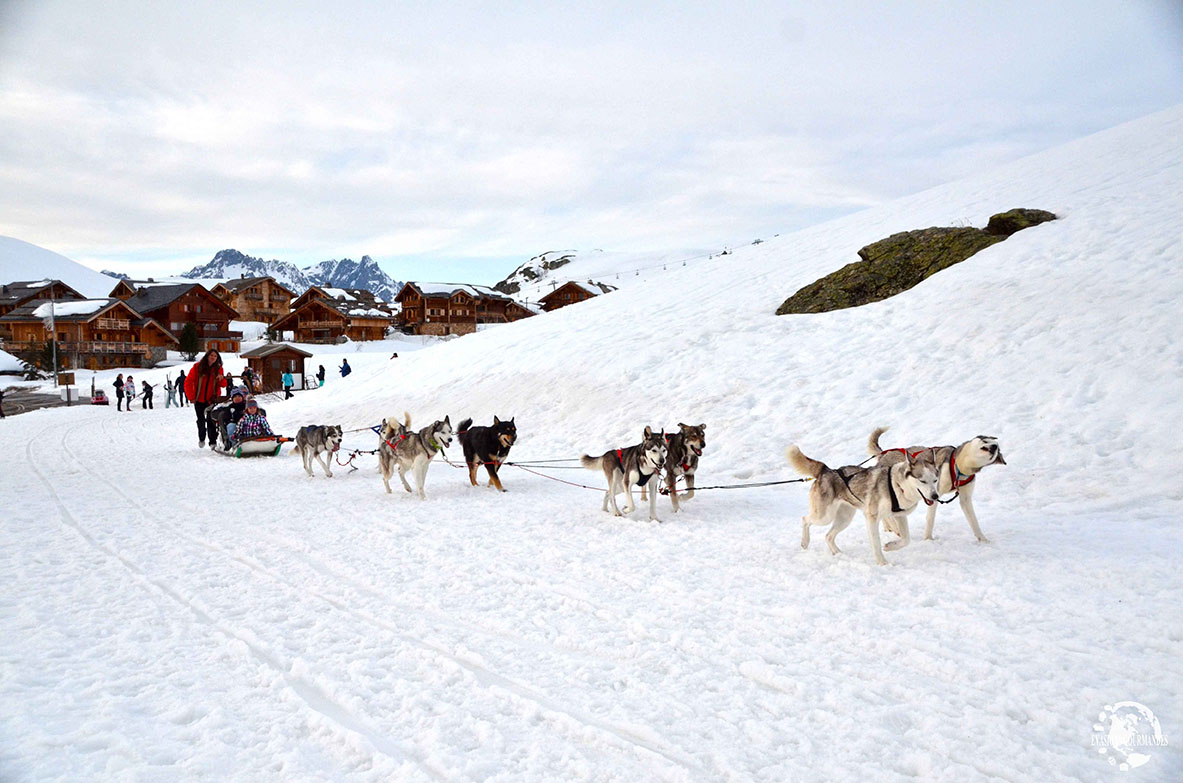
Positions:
(888, 493)
(957, 466)
(317, 439)
(640, 465)
(406, 449)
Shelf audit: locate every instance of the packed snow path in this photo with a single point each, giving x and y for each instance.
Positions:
(171, 611)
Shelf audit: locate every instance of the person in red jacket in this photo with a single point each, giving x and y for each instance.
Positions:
(203, 385)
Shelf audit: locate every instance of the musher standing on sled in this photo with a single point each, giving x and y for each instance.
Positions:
(203, 385)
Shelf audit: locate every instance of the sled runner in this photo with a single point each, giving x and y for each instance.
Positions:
(262, 446)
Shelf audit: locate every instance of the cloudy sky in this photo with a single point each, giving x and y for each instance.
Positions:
(456, 140)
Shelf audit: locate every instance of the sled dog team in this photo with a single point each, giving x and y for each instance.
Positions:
(886, 492)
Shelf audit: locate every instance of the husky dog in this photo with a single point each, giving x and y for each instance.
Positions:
(405, 449)
(488, 446)
(956, 465)
(882, 492)
(640, 465)
(685, 447)
(317, 439)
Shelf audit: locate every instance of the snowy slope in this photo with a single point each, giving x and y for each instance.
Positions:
(546, 271)
(21, 260)
(209, 619)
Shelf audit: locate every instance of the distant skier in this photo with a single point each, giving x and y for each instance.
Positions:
(1, 403)
(180, 387)
(345, 368)
(169, 389)
(129, 391)
(320, 375)
(288, 382)
(119, 392)
(147, 401)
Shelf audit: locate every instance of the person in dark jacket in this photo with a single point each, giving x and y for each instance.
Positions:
(1, 403)
(345, 368)
(237, 408)
(203, 385)
(180, 387)
(320, 375)
(119, 392)
(147, 403)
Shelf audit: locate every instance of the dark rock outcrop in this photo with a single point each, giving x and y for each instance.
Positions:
(893, 265)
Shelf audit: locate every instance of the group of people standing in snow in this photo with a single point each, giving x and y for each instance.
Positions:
(126, 389)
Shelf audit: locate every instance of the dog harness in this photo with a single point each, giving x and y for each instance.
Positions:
(955, 475)
(642, 478)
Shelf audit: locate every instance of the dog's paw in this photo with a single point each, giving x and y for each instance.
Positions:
(983, 540)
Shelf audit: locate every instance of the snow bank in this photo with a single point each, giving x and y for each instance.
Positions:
(21, 260)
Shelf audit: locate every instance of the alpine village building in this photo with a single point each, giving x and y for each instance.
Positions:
(568, 293)
(454, 308)
(256, 298)
(328, 315)
(176, 304)
(90, 333)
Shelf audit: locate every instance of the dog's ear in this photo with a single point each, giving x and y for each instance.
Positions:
(682, 426)
(702, 426)
(511, 420)
(648, 431)
(496, 420)
(448, 420)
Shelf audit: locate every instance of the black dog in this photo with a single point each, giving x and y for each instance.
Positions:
(488, 446)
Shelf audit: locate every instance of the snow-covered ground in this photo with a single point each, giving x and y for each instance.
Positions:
(173, 614)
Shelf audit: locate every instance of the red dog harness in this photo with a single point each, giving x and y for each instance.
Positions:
(955, 475)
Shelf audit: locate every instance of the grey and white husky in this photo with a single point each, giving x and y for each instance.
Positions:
(957, 466)
(640, 465)
(888, 492)
(685, 448)
(406, 449)
(317, 439)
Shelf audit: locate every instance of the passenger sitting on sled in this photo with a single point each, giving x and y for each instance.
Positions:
(237, 409)
(253, 423)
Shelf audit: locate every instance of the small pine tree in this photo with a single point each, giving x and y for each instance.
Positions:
(188, 341)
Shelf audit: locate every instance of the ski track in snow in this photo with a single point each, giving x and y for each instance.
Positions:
(173, 614)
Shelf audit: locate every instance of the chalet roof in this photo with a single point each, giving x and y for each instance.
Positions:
(236, 284)
(450, 289)
(71, 310)
(270, 348)
(156, 296)
(588, 287)
(23, 289)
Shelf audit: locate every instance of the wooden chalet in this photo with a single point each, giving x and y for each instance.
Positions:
(176, 304)
(91, 333)
(256, 298)
(454, 308)
(269, 362)
(329, 315)
(13, 295)
(568, 293)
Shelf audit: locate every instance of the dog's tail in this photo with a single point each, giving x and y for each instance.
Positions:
(591, 463)
(873, 442)
(803, 464)
(462, 429)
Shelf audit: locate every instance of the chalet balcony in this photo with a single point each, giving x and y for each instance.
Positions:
(83, 347)
(320, 325)
(215, 335)
(253, 297)
(112, 324)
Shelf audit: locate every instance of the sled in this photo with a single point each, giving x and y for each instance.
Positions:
(262, 446)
